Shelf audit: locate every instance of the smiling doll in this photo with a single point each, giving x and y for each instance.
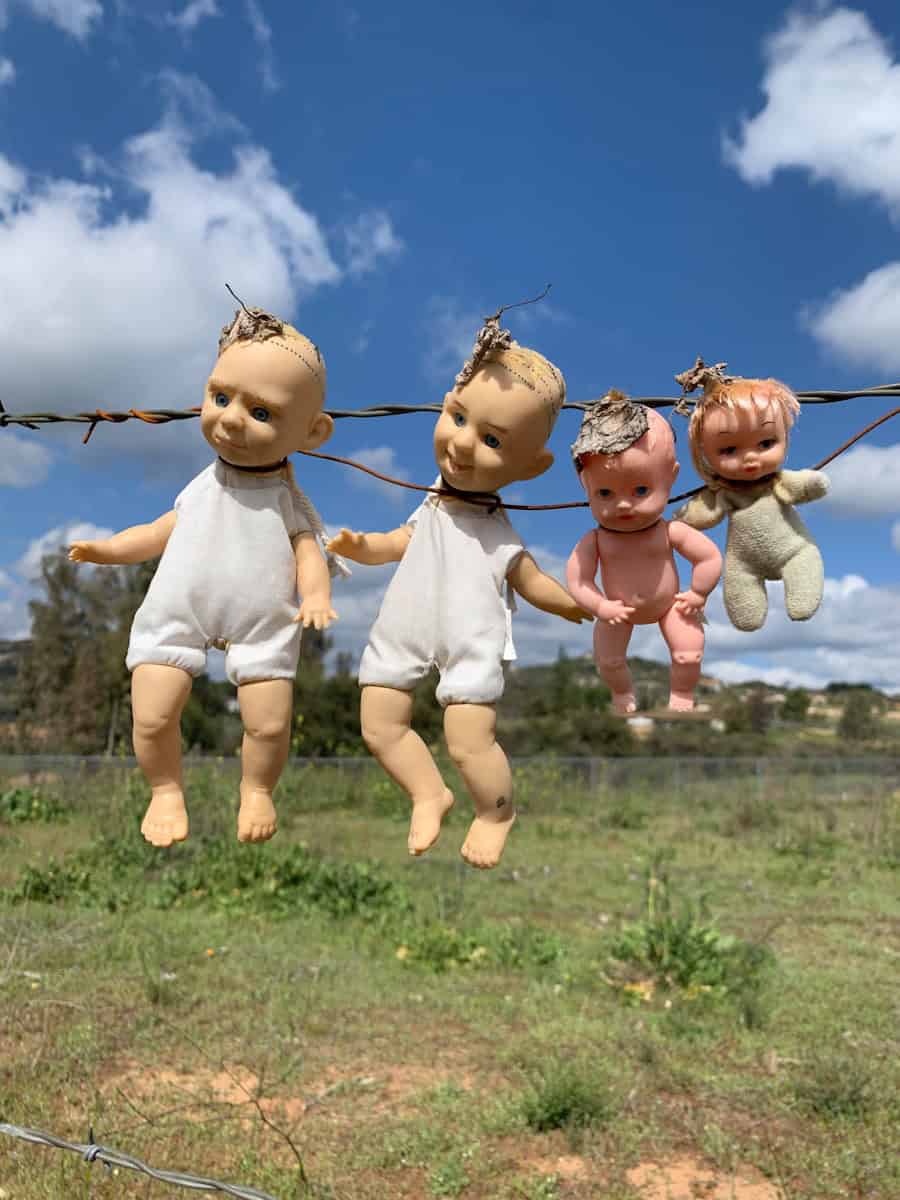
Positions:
(738, 433)
(239, 545)
(625, 458)
(450, 601)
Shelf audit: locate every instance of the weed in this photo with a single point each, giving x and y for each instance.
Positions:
(567, 1095)
(441, 947)
(449, 1178)
(21, 804)
(836, 1087)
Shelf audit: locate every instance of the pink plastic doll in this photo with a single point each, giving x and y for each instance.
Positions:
(240, 543)
(738, 434)
(450, 601)
(625, 457)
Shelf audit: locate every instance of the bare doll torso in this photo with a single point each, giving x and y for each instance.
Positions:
(638, 569)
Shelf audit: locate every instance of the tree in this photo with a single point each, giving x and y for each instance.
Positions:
(796, 705)
(857, 722)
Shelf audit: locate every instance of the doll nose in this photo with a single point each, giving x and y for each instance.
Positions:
(231, 417)
(462, 443)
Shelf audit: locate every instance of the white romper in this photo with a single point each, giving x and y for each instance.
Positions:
(449, 605)
(227, 578)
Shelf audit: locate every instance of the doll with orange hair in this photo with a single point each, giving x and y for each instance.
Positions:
(625, 458)
(739, 433)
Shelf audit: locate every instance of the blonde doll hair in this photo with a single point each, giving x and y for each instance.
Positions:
(733, 393)
(527, 366)
(257, 325)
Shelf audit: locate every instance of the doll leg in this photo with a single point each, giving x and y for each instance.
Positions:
(744, 594)
(385, 716)
(685, 638)
(158, 696)
(266, 706)
(610, 644)
(470, 730)
(804, 583)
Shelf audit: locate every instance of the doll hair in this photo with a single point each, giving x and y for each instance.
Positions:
(528, 367)
(257, 325)
(731, 392)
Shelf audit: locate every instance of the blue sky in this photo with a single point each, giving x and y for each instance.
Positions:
(714, 179)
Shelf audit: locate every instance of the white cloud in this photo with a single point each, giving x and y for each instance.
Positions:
(29, 565)
(832, 96)
(369, 238)
(832, 91)
(860, 323)
(192, 14)
(734, 671)
(117, 310)
(865, 482)
(262, 35)
(75, 17)
(7, 71)
(383, 459)
(23, 463)
(895, 536)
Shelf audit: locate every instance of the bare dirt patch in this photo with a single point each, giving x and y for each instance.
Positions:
(689, 1179)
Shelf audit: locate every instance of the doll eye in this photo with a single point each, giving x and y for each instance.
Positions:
(492, 441)
(459, 419)
(642, 490)
(260, 414)
(727, 451)
(221, 400)
(604, 493)
(767, 443)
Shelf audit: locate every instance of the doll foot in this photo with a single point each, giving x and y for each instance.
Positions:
(485, 841)
(257, 820)
(166, 819)
(425, 824)
(624, 703)
(681, 702)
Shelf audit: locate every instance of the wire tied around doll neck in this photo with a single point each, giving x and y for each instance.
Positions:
(490, 337)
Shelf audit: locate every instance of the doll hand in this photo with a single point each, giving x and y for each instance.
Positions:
(690, 603)
(614, 611)
(87, 552)
(347, 542)
(316, 610)
(575, 613)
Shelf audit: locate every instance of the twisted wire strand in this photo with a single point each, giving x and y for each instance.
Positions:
(92, 1152)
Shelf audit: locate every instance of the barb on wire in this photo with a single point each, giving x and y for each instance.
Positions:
(92, 1152)
(161, 416)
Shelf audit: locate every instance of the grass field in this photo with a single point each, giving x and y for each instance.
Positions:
(669, 988)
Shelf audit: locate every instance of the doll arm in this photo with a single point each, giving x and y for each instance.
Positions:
(133, 545)
(706, 559)
(313, 583)
(580, 571)
(704, 510)
(372, 549)
(799, 487)
(543, 591)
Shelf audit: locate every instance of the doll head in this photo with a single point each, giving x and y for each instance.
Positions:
(739, 428)
(496, 420)
(264, 397)
(625, 458)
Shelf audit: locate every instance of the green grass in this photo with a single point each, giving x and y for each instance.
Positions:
(663, 968)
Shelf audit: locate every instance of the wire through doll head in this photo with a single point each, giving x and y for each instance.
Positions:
(258, 325)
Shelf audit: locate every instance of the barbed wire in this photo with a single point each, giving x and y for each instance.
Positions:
(91, 1152)
(162, 416)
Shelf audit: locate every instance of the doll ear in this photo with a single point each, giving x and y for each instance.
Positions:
(543, 462)
(320, 431)
(676, 467)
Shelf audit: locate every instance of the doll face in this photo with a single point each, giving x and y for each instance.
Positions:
(261, 404)
(491, 433)
(628, 491)
(746, 442)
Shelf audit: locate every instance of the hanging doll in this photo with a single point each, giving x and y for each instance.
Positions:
(240, 543)
(625, 458)
(738, 433)
(450, 601)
